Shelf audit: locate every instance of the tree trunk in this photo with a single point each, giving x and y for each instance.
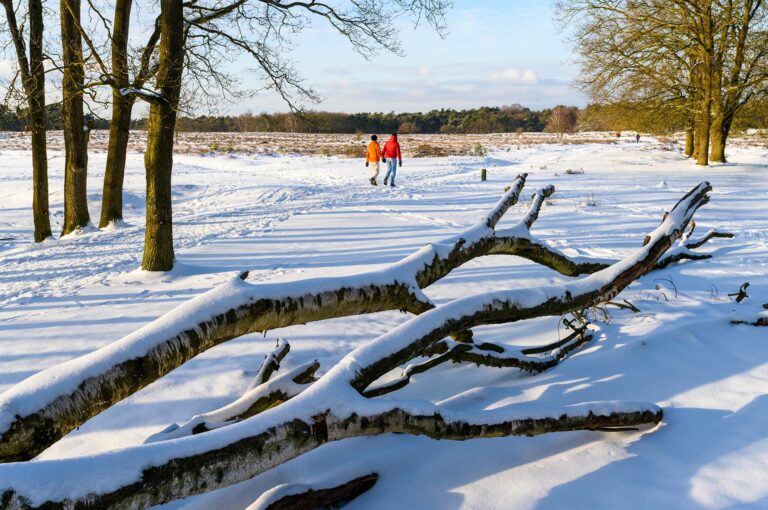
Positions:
(122, 106)
(689, 142)
(36, 100)
(114, 172)
(717, 150)
(706, 84)
(33, 81)
(158, 160)
(704, 124)
(75, 164)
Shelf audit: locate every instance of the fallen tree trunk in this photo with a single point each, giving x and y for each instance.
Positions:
(334, 407)
(490, 355)
(253, 402)
(302, 497)
(40, 410)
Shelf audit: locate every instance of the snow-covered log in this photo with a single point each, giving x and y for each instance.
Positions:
(40, 410)
(521, 304)
(334, 407)
(519, 241)
(253, 402)
(271, 363)
(683, 250)
(532, 359)
(752, 318)
(304, 497)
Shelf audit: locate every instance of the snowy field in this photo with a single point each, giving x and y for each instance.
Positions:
(292, 217)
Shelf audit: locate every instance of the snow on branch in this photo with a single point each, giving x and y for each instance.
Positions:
(271, 363)
(310, 497)
(253, 402)
(334, 407)
(150, 96)
(487, 354)
(38, 411)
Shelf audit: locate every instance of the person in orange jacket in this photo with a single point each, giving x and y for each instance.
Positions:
(392, 151)
(373, 156)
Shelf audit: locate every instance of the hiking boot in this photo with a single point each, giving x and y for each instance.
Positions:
(373, 181)
(392, 185)
(385, 181)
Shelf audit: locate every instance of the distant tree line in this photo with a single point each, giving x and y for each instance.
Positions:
(503, 119)
(506, 119)
(18, 119)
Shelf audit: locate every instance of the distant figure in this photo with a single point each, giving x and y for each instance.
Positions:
(373, 155)
(637, 138)
(618, 134)
(392, 151)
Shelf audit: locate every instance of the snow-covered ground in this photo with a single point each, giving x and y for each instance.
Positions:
(287, 218)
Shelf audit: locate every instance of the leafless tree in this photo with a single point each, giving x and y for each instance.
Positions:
(31, 70)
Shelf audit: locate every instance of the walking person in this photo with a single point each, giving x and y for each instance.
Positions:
(392, 151)
(372, 157)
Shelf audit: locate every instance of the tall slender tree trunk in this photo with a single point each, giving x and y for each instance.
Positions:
(33, 81)
(158, 160)
(122, 106)
(75, 148)
(36, 95)
(689, 142)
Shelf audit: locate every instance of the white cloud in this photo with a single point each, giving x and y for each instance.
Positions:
(514, 76)
(7, 69)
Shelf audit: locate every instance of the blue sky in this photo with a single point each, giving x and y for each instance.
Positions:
(496, 52)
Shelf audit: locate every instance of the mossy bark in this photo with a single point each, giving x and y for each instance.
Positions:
(689, 142)
(706, 80)
(721, 126)
(158, 159)
(246, 458)
(119, 129)
(36, 95)
(716, 134)
(29, 435)
(32, 74)
(332, 497)
(75, 146)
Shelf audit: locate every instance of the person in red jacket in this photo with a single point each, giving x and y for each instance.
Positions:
(392, 151)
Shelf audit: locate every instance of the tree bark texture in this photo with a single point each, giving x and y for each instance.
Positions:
(75, 147)
(33, 82)
(119, 129)
(158, 160)
(689, 144)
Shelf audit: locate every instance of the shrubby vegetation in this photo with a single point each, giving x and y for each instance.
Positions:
(17, 120)
(503, 119)
(486, 120)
